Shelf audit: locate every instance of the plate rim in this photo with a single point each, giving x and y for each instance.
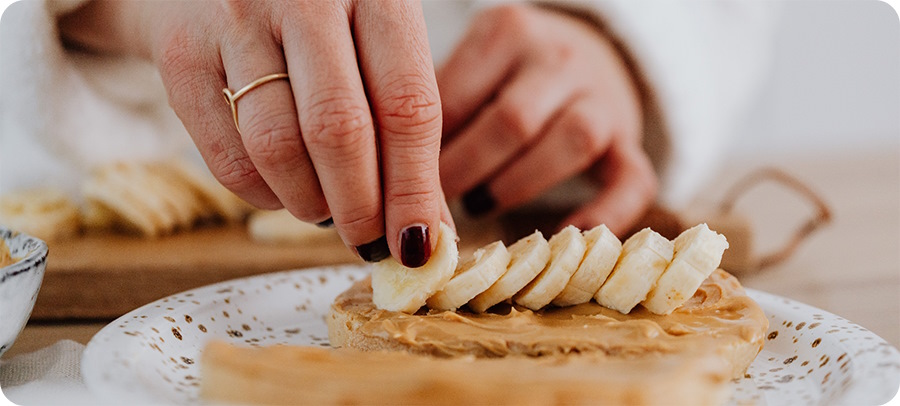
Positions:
(95, 383)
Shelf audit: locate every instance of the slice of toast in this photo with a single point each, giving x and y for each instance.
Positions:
(290, 375)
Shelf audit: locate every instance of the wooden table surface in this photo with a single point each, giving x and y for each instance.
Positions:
(850, 268)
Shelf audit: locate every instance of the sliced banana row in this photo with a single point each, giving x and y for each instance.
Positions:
(644, 258)
(148, 198)
(527, 259)
(572, 268)
(566, 252)
(156, 198)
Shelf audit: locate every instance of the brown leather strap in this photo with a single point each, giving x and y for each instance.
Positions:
(821, 217)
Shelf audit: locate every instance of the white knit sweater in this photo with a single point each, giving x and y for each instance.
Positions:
(62, 112)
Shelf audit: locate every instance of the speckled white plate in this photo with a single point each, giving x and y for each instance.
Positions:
(150, 355)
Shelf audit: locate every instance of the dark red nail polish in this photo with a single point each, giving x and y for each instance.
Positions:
(415, 246)
(374, 251)
(327, 223)
(479, 201)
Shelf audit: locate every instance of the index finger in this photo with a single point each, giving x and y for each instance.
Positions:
(399, 75)
(335, 122)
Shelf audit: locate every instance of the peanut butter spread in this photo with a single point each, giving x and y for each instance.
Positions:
(719, 316)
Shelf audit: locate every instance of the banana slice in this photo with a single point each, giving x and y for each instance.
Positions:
(698, 252)
(472, 277)
(603, 251)
(401, 289)
(223, 203)
(528, 257)
(280, 226)
(112, 187)
(182, 196)
(176, 201)
(48, 214)
(133, 181)
(567, 249)
(644, 258)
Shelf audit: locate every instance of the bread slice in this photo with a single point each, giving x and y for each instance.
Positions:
(291, 375)
(720, 319)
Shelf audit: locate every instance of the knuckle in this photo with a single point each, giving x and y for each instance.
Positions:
(559, 58)
(274, 140)
(412, 194)
(361, 220)
(313, 209)
(513, 116)
(584, 135)
(245, 18)
(296, 11)
(508, 19)
(234, 170)
(410, 107)
(178, 51)
(337, 122)
(240, 10)
(502, 26)
(178, 61)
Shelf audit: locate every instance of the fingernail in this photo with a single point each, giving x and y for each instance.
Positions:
(374, 251)
(479, 201)
(327, 223)
(415, 246)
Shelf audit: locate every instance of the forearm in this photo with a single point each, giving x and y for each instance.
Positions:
(106, 27)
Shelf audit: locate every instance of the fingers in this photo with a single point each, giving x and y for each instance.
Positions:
(404, 96)
(583, 132)
(570, 102)
(629, 187)
(573, 141)
(269, 126)
(320, 153)
(504, 128)
(335, 122)
(477, 67)
(194, 82)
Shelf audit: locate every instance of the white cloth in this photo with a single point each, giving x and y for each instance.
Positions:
(702, 62)
(61, 113)
(49, 376)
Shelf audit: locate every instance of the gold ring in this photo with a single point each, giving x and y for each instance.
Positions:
(232, 98)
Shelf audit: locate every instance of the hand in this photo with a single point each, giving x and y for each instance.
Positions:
(532, 97)
(353, 136)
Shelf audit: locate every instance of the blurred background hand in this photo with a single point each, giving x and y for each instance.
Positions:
(532, 97)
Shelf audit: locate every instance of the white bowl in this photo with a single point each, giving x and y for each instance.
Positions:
(19, 283)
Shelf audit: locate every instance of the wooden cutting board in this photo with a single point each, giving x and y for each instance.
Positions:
(103, 276)
(106, 275)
